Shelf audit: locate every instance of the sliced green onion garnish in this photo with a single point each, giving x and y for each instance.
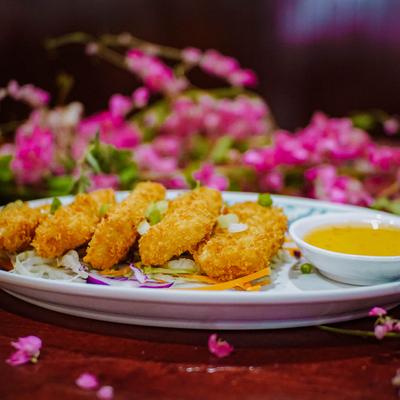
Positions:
(226, 219)
(103, 209)
(154, 217)
(306, 268)
(264, 199)
(162, 206)
(55, 205)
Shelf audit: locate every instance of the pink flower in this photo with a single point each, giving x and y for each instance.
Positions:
(104, 181)
(156, 75)
(377, 312)
(391, 126)
(113, 129)
(140, 97)
(28, 350)
(207, 176)
(219, 347)
(380, 331)
(91, 48)
(29, 94)
(87, 381)
(191, 55)
(7, 149)
(175, 182)
(272, 181)
(148, 158)
(105, 393)
(328, 185)
(243, 77)
(34, 154)
(217, 64)
(119, 105)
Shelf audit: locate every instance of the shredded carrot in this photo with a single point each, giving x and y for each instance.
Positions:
(199, 278)
(233, 283)
(116, 272)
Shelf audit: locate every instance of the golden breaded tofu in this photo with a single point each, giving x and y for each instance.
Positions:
(71, 226)
(225, 256)
(18, 222)
(116, 233)
(190, 217)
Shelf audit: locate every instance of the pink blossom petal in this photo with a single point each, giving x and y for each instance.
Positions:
(219, 347)
(141, 97)
(119, 105)
(377, 312)
(18, 358)
(191, 55)
(87, 381)
(380, 331)
(105, 393)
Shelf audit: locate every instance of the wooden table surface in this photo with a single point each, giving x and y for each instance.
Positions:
(154, 363)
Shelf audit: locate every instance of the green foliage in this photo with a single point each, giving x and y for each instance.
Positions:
(60, 185)
(6, 174)
(383, 203)
(105, 158)
(219, 153)
(55, 205)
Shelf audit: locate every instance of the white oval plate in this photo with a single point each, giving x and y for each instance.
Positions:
(292, 300)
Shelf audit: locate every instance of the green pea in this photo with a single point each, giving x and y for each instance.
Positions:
(265, 200)
(306, 268)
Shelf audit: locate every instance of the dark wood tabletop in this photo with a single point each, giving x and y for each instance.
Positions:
(155, 363)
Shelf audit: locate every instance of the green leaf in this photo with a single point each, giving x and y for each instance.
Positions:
(81, 185)
(55, 205)
(6, 174)
(128, 176)
(60, 185)
(219, 153)
(364, 121)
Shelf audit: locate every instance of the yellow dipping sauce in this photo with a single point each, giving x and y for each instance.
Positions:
(360, 239)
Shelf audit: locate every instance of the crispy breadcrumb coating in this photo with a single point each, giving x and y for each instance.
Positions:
(71, 226)
(190, 217)
(227, 256)
(18, 222)
(117, 231)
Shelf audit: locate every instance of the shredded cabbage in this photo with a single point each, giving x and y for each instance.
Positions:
(68, 267)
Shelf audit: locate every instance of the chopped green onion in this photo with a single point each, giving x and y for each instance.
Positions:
(55, 205)
(264, 199)
(103, 209)
(226, 219)
(154, 217)
(162, 206)
(306, 268)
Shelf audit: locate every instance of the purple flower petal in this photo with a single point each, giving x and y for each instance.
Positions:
(18, 358)
(87, 381)
(377, 312)
(219, 347)
(105, 393)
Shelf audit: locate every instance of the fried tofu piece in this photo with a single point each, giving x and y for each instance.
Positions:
(117, 232)
(18, 222)
(190, 217)
(225, 256)
(71, 226)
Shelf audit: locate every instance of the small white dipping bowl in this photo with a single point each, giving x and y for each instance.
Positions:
(347, 268)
